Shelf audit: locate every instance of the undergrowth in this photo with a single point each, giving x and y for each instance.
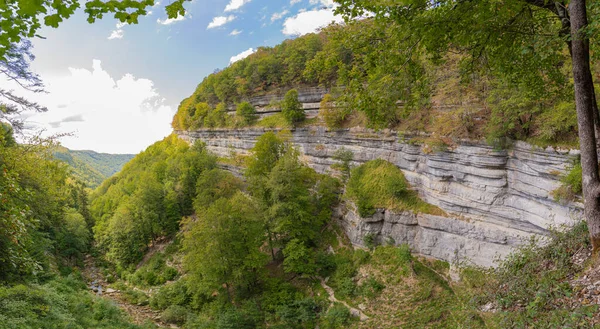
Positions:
(63, 302)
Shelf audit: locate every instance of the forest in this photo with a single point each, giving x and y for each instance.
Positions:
(176, 237)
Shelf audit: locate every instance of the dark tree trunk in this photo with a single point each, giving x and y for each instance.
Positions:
(584, 101)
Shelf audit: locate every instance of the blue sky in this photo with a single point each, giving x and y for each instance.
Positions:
(116, 87)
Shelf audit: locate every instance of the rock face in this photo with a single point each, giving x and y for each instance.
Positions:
(494, 199)
(267, 105)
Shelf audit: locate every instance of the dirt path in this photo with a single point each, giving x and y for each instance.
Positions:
(138, 313)
(354, 311)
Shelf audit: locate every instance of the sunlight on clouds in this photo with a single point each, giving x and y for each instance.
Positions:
(118, 33)
(235, 32)
(220, 21)
(241, 55)
(169, 21)
(235, 5)
(106, 115)
(309, 21)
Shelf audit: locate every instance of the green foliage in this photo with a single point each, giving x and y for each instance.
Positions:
(154, 272)
(344, 156)
(298, 258)
(572, 185)
(337, 317)
(265, 154)
(217, 117)
(299, 313)
(175, 314)
(276, 120)
(291, 108)
(175, 293)
(61, 303)
(246, 113)
(531, 285)
(73, 239)
(380, 184)
(222, 246)
(42, 214)
(369, 241)
(265, 70)
(213, 185)
(332, 115)
(147, 198)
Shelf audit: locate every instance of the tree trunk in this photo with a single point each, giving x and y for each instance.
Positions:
(584, 101)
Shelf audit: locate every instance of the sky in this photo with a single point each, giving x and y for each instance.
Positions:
(116, 87)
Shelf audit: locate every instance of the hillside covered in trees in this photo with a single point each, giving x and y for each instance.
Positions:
(374, 82)
(175, 236)
(90, 167)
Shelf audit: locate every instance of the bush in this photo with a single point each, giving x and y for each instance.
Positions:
(155, 272)
(246, 113)
(175, 293)
(291, 108)
(60, 303)
(572, 185)
(376, 183)
(380, 184)
(216, 117)
(533, 283)
(332, 115)
(369, 241)
(344, 156)
(300, 313)
(174, 314)
(338, 316)
(371, 288)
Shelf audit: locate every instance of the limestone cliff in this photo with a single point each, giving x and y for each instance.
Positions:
(495, 199)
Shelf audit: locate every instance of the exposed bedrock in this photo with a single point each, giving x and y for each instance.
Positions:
(494, 199)
(268, 104)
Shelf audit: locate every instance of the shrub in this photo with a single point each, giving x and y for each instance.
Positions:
(216, 117)
(246, 113)
(175, 293)
(558, 123)
(338, 316)
(380, 184)
(371, 288)
(174, 314)
(533, 283)
(300, 313)
(376, 183)
(332, 115)
(344, 157)
(369, 241)
(291, 108)
(572, 185)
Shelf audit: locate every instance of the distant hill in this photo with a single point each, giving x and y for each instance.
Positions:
(92, 167)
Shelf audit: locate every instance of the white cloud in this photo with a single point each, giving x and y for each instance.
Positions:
(325, 3)
(293, 2)
(169, 21)
(242, 55)
(235, 4)
(309, 21)
(117, 33)
(278, 16)
(105, 114)
(235, 32)
(220, 21)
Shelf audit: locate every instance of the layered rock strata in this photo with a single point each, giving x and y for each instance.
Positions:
(268, 104)
(494, 199)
